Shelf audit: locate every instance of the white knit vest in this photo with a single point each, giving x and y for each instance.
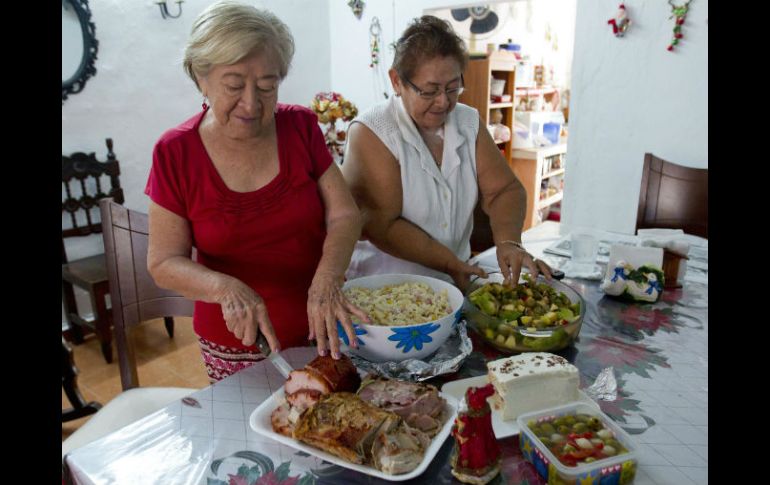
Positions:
(439, 201)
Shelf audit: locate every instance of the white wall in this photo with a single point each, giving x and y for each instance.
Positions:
(628, 96)
(631, 96)
(526, 24)
(140, 88)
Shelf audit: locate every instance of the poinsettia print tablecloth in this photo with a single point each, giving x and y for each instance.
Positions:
(659, 353)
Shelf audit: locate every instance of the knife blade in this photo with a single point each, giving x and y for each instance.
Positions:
(276, 358)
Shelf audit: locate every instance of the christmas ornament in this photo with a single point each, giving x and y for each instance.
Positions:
(476, 455)
(379, 78)
(357, 6)
(374, 44)
(679, 13)
(620, 22)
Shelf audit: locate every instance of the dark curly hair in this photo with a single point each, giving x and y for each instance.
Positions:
(426, 38)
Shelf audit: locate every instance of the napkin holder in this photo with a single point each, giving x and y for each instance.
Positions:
(634, 273)
(675, 250)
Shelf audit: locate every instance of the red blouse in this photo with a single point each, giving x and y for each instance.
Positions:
(271, 239)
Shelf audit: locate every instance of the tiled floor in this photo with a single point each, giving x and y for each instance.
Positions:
(161, 361)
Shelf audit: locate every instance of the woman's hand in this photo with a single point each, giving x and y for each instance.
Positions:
(326, 304)
(461, 272)
(511, 258)
(245, 314)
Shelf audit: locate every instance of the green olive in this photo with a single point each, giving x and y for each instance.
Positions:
(546, 442)
(594, 424)
(563, 429)
(569, 420)
(612, 442)
(579, 428)
(548, 427)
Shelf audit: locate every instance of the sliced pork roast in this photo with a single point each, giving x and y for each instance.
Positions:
(341, 375)
(417, 403)
(344, 425)
(324, 374)
(399, 451)
(304, 387)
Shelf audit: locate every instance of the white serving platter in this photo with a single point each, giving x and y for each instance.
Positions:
(260, 423)
(502, 429)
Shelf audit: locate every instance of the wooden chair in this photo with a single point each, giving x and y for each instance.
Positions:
(481, 237)
(69, 383)
(673, 196)
(135, 296)
(82, 177)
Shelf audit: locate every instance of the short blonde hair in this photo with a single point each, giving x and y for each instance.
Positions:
(227, 31)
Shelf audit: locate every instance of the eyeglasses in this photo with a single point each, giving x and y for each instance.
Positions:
(451, 93)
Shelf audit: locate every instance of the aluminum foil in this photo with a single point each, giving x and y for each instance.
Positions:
(446, 360)
(605, 387)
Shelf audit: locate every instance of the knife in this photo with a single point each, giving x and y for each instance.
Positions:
(278, 361)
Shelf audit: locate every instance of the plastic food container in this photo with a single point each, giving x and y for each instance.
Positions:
(619, 469)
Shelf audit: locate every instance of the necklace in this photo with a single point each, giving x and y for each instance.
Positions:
(680, 13)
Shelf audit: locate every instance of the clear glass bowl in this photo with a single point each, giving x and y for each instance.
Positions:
(547, 339)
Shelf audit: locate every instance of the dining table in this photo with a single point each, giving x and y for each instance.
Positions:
(656, 352)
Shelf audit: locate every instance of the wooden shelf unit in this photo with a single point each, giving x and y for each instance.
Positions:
(477, 78)
(547, 202)
(544, 92)
(528, 165)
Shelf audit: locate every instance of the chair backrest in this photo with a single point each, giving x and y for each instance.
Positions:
(673, 196)
(82, 188)
(481, 237)
(135, 296)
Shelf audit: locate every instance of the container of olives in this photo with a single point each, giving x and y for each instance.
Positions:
(534, 316)
(577, 443)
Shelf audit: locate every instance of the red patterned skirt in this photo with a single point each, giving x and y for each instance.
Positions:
(222, 361)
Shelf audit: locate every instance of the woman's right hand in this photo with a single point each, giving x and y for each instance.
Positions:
(461, 272)
(245, 314)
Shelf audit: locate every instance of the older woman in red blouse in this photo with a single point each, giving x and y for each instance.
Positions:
(249, 182)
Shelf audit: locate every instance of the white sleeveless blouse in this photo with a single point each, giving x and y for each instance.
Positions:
(440, 201)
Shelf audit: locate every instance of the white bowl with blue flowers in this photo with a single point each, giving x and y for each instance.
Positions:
(412, 340)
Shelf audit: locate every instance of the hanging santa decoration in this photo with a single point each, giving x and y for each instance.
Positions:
(679, 13)
(620, 22)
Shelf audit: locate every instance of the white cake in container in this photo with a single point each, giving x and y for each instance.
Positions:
(533, 381)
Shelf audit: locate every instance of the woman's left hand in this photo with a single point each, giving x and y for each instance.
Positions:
(326, 304)
(511, 258)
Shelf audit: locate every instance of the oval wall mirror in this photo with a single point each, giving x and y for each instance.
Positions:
(78, 46)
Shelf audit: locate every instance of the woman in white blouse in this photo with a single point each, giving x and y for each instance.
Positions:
(417, 164)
